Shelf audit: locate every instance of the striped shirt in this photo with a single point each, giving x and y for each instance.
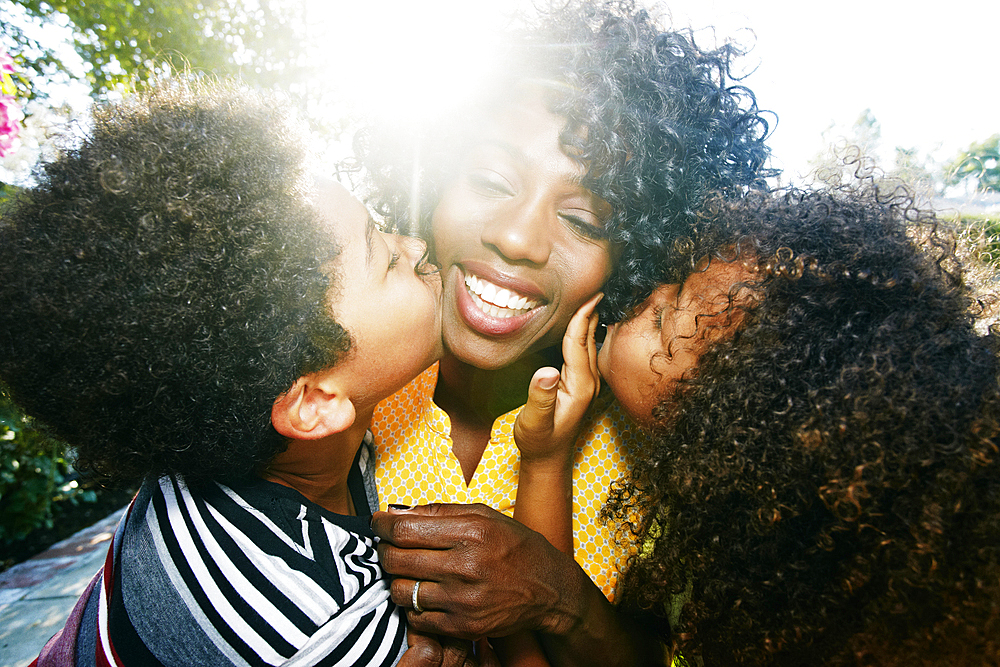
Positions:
(244, 574)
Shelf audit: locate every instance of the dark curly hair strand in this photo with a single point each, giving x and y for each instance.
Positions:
(164, 282)
(826, 489)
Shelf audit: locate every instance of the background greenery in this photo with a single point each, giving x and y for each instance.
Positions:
(34, 474)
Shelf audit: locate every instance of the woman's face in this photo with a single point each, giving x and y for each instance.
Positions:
(643, 357)
(520, 242)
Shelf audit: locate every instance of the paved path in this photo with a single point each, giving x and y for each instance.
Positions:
(37, 595)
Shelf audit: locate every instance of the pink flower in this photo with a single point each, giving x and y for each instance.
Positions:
(6, 64)
(10, 125)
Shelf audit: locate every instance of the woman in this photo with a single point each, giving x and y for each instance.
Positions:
(576, 177)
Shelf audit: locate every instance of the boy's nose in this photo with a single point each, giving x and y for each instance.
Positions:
(410, 247)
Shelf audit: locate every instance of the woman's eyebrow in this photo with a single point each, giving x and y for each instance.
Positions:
(518, 155)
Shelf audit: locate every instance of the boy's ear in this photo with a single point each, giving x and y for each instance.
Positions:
(312, 409)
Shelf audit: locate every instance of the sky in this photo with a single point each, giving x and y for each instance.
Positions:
(927, 74)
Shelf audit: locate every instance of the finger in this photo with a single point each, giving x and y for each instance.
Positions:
(430, 595)
(409, 565)
(442, 623)
(580, 351)
(434, 526)
(594, 322)
(424, 650)
(440, 616)
(536, 417)
(458, 652)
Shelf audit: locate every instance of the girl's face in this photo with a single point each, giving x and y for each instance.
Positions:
(521, 243)
(391, 311)
(643, 357)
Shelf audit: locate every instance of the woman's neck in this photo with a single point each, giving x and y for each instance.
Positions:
(473, 398)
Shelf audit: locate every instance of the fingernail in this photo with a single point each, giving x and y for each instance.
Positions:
(548, 382)
(400, 508)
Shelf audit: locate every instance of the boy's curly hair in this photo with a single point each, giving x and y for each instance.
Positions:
(658, 122)
(164, 282)
(826, 489)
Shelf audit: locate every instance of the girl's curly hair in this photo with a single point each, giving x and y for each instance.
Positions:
(657, 121)
(826, 488)
(164, 282)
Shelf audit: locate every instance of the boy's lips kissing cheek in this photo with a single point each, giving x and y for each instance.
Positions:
(493, 306)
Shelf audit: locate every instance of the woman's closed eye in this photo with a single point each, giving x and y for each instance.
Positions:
(490, 182)
(588, 226)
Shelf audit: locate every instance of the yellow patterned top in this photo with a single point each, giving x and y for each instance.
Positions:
(414, 465)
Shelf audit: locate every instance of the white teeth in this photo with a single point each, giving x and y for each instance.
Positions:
(497, 301)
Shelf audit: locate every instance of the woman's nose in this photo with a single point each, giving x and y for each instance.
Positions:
(521, 232)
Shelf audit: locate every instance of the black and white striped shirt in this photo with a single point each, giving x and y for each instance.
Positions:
(252, 574)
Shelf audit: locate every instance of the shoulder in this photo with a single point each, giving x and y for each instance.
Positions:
(248, 567)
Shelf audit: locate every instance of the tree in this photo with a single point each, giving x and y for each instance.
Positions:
(849, 154)
(856, 153)
(979, 163)
(123, 43)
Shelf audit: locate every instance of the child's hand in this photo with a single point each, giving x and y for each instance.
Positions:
(548, 425)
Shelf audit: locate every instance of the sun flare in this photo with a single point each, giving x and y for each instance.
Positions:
(405, 60)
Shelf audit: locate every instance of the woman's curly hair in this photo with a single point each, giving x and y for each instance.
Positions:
(658, 122)
(826, 488)
(165, 281)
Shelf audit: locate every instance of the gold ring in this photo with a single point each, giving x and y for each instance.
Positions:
(414, 602)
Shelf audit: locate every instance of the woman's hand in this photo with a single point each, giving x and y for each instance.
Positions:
(438, 651)
(481, 573)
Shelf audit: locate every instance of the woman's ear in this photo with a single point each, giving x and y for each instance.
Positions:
(312, 409)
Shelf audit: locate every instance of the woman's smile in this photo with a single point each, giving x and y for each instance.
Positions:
(492, 303)
(497, 301)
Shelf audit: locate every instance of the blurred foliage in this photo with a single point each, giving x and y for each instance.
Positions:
(980, 232)
(34, 474)
(853, 154)
(980, 163)
(126, 43)
(6, 192)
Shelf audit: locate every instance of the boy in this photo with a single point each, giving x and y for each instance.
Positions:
(192, 312)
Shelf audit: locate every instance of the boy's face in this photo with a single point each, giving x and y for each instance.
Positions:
(391, 312)
(643, 357)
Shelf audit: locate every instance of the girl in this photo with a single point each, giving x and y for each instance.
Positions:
(824, 482)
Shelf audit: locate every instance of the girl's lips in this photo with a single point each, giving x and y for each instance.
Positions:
(490, 308)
